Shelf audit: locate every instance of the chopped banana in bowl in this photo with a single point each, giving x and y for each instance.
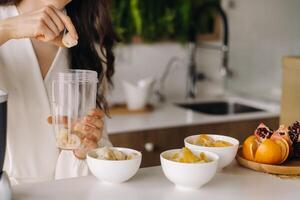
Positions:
(187, 156)
(110, 153)
(226, 147)
(114, 164)
(189, 168)
(207, 141)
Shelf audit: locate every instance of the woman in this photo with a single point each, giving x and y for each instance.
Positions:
(31, 53)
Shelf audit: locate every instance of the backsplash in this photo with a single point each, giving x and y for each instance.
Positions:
(134, 62)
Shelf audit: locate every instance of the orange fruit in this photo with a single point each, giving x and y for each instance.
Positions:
(269, 152)
(249, 147)
(285, 149)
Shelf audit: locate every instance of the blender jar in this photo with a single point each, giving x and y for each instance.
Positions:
(73, 96)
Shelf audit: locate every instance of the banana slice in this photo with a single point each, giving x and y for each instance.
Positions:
(68, 141)
(68, 41)
(110, 153)
(119, 155)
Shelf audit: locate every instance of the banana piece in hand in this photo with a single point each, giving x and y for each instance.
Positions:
(68, 41)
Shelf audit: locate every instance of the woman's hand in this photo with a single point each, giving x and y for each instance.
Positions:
(90, 128)
(46, 24)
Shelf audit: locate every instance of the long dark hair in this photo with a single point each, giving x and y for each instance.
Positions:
(96, 35)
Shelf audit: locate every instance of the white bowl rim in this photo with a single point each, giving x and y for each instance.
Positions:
(237, 143)
(215, 156)
(138, 156)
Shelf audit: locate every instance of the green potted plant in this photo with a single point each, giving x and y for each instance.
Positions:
(160, 20)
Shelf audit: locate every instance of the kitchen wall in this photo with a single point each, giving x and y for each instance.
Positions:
(135, 62)
(261, 32)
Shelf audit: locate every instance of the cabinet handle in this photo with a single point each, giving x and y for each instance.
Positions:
(149, 147)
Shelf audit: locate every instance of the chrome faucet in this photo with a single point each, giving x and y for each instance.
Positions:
(193, 75)
(159, 91)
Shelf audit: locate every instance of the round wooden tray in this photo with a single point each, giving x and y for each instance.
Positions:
(290, 167)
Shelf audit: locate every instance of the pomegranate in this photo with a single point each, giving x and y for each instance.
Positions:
(282, 132)
(262, 132)
(296, 150)
(294, 131)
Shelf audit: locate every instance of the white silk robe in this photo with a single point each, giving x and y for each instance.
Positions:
(31, 153)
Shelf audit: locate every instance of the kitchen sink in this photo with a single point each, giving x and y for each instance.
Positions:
(220, 108)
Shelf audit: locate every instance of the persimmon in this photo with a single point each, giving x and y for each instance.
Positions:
(268, 151)
(249, 147)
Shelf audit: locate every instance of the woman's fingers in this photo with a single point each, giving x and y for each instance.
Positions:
(51, 24)
(88, 131)
(45, 24)
(44, 33)
(55, 18)
(49, 27)
(67, 23)
(94, 121)
(89, 120)
(88, 145)
(96, 113)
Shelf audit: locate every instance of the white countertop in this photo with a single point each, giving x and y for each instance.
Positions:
(168, 115)
(234, 183)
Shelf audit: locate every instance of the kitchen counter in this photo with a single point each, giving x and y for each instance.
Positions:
(233, 183)
(168, 115)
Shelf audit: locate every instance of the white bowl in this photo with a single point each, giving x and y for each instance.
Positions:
(226, 154)
(189, 175)
(114, 171)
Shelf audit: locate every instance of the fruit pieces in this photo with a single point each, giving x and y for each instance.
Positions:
(221, 143)
(296, 150)
(285, 149)
(207, 141)
(204, 140)
(294, 131)
(68, 41)
(110, 153)
(202, 156)
(266, 146)
(187, 156)
(262, 132)
(269, 152)
(67, 141)
(282, 132)
(287, 138)
(250, 147)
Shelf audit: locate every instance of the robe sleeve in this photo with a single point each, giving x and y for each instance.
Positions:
(68, 166)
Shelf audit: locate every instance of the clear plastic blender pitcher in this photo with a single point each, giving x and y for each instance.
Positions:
(73, 96)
